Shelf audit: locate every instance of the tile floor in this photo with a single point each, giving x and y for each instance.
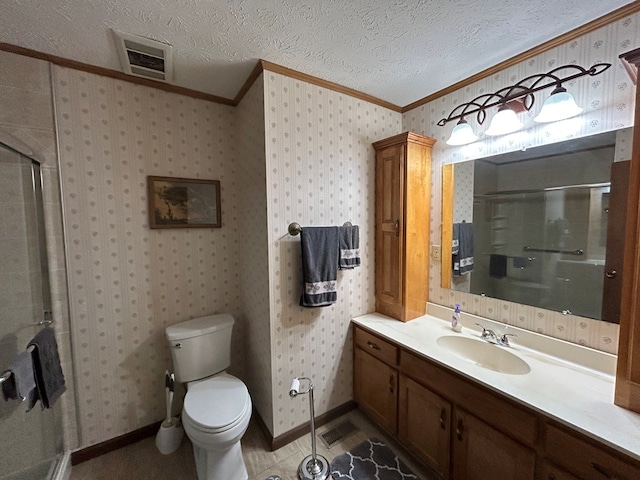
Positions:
(143, 461)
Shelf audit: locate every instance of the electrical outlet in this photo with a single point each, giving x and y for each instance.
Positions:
(435, 252)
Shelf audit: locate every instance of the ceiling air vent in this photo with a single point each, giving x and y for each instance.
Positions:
(143, 57)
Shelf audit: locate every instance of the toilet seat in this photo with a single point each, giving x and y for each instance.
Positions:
(216, 404)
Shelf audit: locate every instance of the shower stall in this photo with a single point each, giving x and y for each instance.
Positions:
(31, 442)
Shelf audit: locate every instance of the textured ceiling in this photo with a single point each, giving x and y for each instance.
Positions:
(396, 50)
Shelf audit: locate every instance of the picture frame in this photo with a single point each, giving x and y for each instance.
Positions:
(183, 202)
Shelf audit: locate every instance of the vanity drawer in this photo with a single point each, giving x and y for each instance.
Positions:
(489, 407)
(586, 460)
(376, 346)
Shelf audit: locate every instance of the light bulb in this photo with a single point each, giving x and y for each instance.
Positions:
(559, 106)
(462, 134)
(504, 122)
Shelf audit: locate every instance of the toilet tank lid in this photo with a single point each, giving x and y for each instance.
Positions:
(199, 326)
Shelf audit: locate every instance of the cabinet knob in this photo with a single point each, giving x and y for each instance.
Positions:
(611, 274)
(443, 416)
(373, 345)
(397, 228)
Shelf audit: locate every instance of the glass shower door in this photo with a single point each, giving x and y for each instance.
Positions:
(30, 442)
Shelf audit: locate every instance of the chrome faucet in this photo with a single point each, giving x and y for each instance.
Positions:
(491, 336)
(488, 335)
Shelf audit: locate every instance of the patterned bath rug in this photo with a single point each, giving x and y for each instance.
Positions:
(372, 459)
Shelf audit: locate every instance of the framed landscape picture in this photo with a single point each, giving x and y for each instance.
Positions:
(183, 203)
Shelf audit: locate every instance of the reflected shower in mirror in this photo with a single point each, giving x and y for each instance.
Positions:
(545, 226)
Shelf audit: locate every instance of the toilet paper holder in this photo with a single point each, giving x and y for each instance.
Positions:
(314, 466)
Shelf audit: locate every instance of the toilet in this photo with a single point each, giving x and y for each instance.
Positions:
(217, 406)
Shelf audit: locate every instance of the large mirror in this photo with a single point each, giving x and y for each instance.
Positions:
(541, 227)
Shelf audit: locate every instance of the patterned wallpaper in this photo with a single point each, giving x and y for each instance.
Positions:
(609, 104)
(128, 283)
(320, 171)
(254, 252)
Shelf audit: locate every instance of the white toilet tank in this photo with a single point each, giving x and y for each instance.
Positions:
(200, 347)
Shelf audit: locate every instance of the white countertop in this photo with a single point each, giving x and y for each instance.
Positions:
(569, 392)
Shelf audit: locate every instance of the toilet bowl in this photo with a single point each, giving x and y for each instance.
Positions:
(217, 407)
(215, 416)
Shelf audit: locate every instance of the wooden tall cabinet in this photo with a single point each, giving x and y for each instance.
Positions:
(403, 185)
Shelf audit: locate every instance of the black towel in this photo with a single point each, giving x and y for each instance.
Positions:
(46, 366)
(21, 384)
(320, 252)
(349, 247)
(497, 266)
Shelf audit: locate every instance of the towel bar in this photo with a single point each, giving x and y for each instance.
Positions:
(295, 228)
(550, 250)
(42, 323)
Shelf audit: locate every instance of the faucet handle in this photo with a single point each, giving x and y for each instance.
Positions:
(486, 333)
(504, 339)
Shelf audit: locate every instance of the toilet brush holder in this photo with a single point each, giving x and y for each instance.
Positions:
(170, 435)
(314, 466)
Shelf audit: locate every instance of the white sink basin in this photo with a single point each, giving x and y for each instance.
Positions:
(485, 354)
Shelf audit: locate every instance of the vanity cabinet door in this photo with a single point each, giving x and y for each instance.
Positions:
(389, 222)
(481, 452)
(375, 389)
(424, 420)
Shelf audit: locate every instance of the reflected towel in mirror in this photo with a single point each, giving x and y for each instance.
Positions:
(462, 248)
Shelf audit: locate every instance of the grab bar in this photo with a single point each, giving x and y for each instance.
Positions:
(42, 323)
(548, 250)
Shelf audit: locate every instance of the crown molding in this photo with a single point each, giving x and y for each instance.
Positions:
(603, 21)
(107, 72)
(288, 72)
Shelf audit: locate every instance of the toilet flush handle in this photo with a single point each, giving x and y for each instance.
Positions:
(177, 345)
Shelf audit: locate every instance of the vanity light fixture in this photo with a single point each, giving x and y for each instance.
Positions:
(558, 106)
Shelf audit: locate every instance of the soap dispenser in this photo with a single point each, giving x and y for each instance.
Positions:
(456, 324)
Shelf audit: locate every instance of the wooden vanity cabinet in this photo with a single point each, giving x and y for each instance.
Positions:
(464, 431)
(486, 436)
(403, 185)
(375, 378)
